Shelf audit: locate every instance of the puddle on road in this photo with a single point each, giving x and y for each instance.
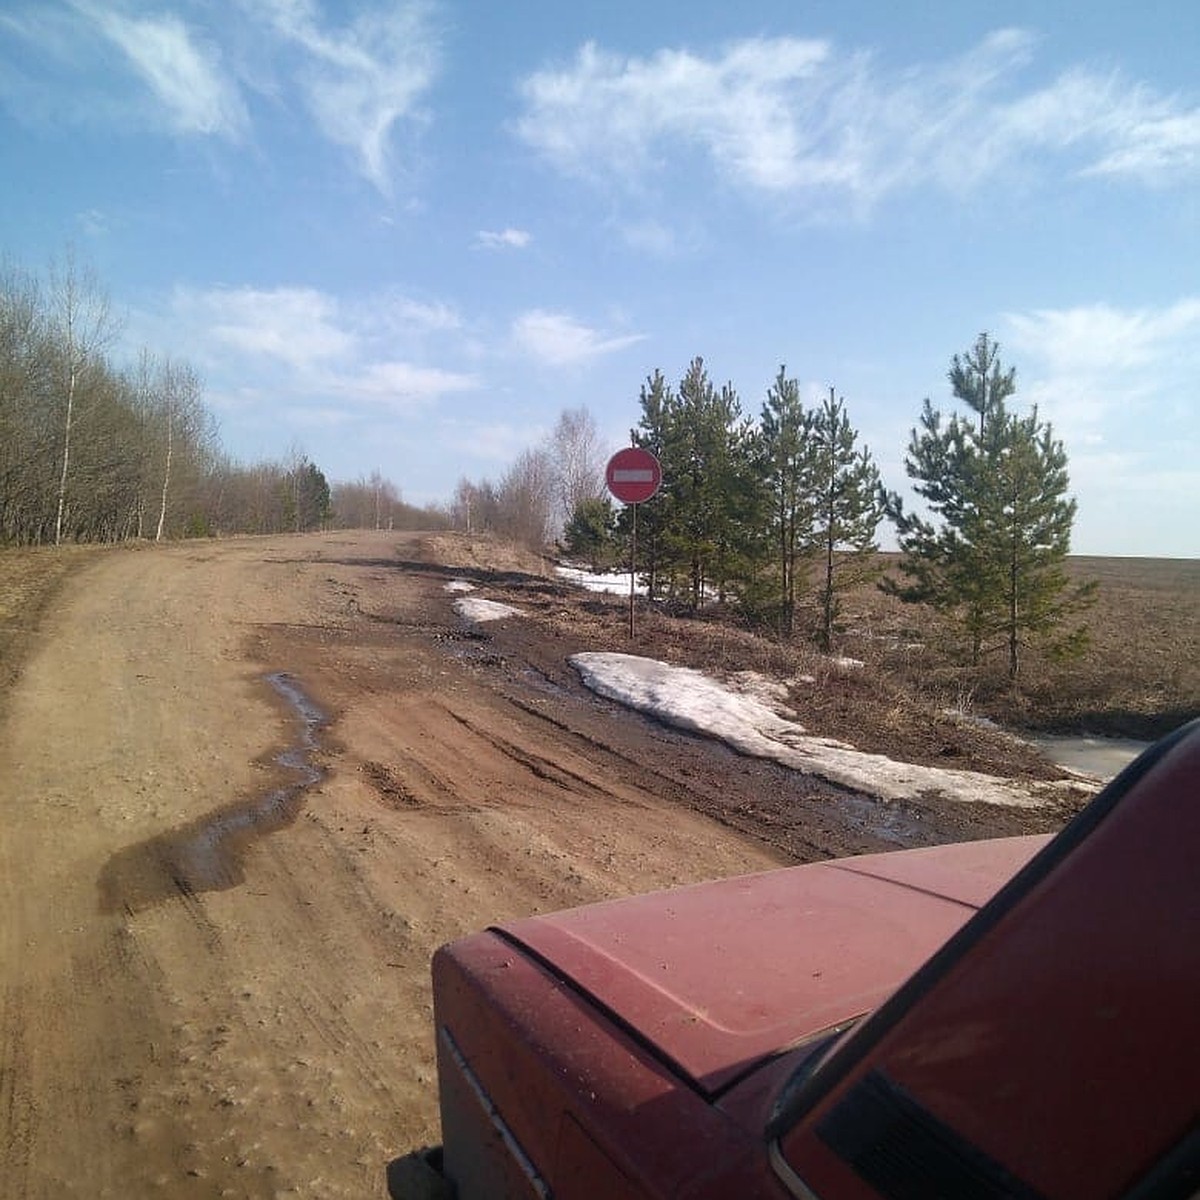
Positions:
(886, 821)
(542, 682)
(207, 855)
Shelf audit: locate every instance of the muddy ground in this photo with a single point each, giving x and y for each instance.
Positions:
(214, 981)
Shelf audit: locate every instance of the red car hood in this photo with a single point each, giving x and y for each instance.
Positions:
(720, 976)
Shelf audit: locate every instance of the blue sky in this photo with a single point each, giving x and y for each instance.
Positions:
(406, 236)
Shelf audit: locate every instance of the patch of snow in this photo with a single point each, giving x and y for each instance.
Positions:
(962, 717)
(771, 692)
(477, 611)
(691, 700)
(846, 664)
(616, 583)
(460, 585)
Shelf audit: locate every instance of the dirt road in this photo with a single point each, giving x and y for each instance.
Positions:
(213, 983)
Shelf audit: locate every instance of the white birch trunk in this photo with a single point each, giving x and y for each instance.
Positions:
(162, 510)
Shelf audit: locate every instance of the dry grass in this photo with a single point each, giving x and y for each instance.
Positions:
(916, 697)
(1139, 677)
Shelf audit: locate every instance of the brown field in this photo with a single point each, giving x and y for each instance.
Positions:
(1139, 676)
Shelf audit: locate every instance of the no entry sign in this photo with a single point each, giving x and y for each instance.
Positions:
(633, 475)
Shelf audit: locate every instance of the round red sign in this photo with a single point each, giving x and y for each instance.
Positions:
(633, 475)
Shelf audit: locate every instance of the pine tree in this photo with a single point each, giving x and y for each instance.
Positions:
(787, 468)
(589, 533)
(709, 479)
(693, 463)
(848, 509)
(698, 534)
(655, 431)
(999, 485)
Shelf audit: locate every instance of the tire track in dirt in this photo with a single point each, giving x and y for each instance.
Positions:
(17, 1104)
(274, 1034)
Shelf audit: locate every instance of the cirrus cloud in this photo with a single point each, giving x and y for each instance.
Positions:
(834, 132)
(183, 72)
(559, 340)
(360, 82)
(363, 83)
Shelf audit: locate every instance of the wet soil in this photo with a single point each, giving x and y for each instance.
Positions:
(247, 788)
(209, 853)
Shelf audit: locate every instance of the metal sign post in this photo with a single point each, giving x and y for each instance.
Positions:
(633, 475)
(632, 570)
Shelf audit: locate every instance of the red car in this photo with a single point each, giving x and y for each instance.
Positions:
(1011, 1018)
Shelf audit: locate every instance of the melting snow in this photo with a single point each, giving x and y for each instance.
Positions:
(691, 700)
(460, 585)
(617, 583)
(478, 611)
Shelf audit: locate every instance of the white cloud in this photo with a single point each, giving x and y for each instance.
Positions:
(363, 81)
(301, 344)
(393, 318)
(307, 329)
(559, 340)
(85, 62)
(401, 384)
(651, 237)
(297, 326)
(93, 222)
(1119, 387)
(833, 132)
(610, 112)
(1100, 339)
(1093, 361)
(504, 239)
(1155, 142)
(185, 77)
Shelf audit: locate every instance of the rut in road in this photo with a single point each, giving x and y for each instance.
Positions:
(274, 1035)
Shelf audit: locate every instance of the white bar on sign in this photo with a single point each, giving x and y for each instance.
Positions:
(635, 475)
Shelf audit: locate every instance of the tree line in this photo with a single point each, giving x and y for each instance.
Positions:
(778, 513)
(91, 450)
(539, 494)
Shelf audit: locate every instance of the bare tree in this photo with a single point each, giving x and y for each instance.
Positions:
(183, 418)
(372, 503)
(83, 325)
(526, 500)
(579, 458)
(26, 452)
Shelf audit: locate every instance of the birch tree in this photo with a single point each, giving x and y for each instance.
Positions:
(579, 459)
(83, 326)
